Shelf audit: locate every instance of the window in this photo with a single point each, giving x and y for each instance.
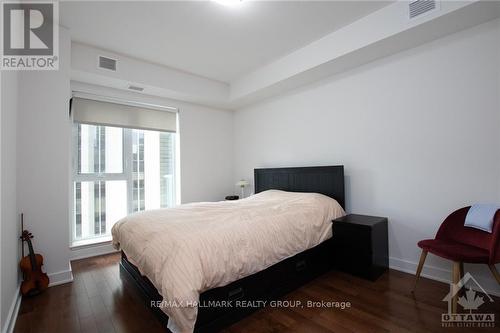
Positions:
(117, 171)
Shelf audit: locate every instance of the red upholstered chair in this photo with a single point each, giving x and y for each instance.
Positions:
(462, 244)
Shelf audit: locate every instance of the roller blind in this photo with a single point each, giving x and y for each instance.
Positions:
(94, 112)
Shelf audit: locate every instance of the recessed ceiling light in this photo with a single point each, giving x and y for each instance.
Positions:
(229, 3)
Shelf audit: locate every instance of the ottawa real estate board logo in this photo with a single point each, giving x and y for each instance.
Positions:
(30, 35)
(464, 294)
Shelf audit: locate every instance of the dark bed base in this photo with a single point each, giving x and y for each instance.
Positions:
(275, 281)
(266, 285)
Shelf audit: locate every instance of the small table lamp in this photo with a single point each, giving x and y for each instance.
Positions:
(242, 183)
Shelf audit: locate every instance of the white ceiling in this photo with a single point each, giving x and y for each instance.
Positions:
(206, 38)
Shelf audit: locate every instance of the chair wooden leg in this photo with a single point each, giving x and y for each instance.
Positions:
(419, 268)
(495, 273)
(455, 280)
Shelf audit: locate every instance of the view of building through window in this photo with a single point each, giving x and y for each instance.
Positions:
(119, 171)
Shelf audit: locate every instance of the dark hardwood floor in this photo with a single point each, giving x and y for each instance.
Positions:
(102, 300)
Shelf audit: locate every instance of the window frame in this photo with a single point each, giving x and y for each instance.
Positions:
(94, 177)
(125, 175)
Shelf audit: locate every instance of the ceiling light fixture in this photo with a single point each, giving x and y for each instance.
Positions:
(229, 3)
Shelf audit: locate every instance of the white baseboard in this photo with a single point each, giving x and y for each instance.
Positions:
(88, 251)
(10, 321)
(441, 274)
(431, 272)
(61, 277)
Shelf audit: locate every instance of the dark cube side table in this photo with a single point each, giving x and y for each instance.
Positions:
(360, 245)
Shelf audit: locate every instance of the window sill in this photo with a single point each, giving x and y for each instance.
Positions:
(90, 242)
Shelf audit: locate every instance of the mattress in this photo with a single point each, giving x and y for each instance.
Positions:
(191, 248)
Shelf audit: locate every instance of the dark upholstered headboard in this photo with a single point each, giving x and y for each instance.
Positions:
(327, 180)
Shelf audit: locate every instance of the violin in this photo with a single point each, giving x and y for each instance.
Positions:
(34, 280)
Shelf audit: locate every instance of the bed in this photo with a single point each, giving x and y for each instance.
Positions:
(263, 278)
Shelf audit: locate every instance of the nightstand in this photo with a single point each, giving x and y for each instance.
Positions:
(360, 245)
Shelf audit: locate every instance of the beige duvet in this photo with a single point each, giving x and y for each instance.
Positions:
(195, 247)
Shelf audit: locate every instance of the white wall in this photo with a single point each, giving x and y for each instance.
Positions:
(206, 150)
(43, 161)
(417, 133)
(10, 244)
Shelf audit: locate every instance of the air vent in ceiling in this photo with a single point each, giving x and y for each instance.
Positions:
(136, 88)
(107, 63)
(420, 7)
